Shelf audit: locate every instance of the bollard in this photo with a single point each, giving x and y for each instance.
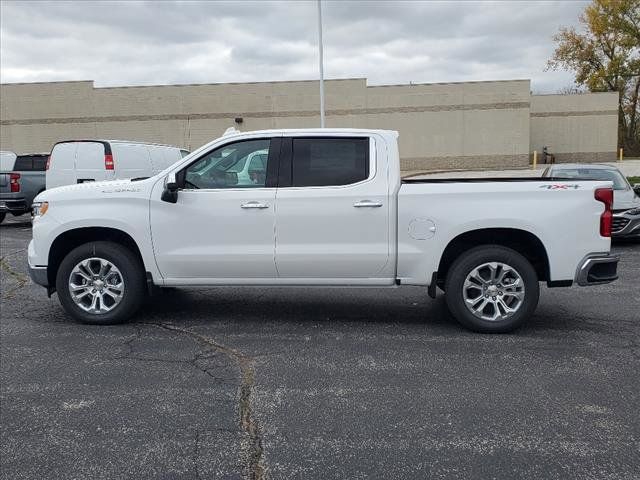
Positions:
(535, 160)
(621, 153)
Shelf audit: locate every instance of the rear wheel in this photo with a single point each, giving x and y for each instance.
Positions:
(101, 283)
(492, 289)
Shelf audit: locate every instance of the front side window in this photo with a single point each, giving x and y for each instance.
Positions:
(329, 161)
(236, 165)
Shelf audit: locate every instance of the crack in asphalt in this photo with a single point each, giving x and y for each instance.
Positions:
(252, 450)
(131, 355)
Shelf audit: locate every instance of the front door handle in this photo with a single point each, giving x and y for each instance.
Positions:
(254, 205)
(367, 203)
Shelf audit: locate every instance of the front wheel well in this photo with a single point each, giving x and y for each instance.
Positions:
(523, 242)
(67, 241)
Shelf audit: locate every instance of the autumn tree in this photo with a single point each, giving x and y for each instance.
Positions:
(605, 56)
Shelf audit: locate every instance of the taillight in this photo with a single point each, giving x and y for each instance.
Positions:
(108, 162)
(605, 195)
(48, 164)
(14, 181)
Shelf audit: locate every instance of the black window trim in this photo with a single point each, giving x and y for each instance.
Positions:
(273, 164)
(285, 175)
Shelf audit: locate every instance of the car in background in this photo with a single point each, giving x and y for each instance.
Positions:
(22, 177)
(79, 161)
(626, 202)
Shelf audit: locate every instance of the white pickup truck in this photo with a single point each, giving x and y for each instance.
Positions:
(319, 207)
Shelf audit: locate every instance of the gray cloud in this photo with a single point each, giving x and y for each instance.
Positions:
(125, 43)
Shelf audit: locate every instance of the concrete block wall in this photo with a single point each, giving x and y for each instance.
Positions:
(471, 125)
(576, 128)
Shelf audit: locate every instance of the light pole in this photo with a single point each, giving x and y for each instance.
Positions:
(321, 64)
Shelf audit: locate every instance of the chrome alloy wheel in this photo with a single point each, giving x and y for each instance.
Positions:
(493, 291)
(96, 285)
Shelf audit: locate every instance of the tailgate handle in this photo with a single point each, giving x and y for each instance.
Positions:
(83, 180)
(367, 203)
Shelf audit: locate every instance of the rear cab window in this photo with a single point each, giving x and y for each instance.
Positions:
(329, 161)
(30, 163)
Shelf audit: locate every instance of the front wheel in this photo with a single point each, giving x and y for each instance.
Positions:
(101, 283)
(492, 289)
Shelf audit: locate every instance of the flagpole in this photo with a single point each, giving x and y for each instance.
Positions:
(321, 64)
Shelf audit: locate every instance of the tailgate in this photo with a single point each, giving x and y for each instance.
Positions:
(4, 182)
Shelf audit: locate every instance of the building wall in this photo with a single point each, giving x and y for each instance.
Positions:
(442, 126)
(576, 128)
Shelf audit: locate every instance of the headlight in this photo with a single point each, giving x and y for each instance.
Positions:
(39, 208)
(633, 211)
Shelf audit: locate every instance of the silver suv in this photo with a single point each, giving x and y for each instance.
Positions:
(626, 203)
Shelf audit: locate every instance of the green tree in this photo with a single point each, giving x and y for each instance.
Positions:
(605, 56)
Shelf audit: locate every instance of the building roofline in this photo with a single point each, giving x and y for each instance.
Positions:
(348, 79)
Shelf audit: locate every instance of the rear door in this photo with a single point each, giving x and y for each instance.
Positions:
(62, 165)
(332, 212)
(90, 163)
(132, 160)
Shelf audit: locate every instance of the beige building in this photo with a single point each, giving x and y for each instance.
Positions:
(492, 124)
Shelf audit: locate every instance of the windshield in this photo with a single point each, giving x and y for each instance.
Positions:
(619, 182)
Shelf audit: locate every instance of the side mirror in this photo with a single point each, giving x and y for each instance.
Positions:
(636, 188)
(170, 192)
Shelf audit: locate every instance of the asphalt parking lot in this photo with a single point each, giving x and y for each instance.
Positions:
(302, 383)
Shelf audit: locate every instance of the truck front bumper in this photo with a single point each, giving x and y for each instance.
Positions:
(39, 275)
(597, 269)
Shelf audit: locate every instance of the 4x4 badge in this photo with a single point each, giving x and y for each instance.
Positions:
(560, 186)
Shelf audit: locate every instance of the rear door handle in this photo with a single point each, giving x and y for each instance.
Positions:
(367, 203)
(254, 205)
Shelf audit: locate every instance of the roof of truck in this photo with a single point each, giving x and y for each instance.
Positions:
(313, 130)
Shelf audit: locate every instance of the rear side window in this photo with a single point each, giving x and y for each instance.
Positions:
(329, 161)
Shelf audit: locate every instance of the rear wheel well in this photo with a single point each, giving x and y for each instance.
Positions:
(71, 239)
(523, 242)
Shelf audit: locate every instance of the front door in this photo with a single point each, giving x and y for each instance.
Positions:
(222, 226)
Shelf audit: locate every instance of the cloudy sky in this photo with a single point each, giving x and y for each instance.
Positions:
(147, 43)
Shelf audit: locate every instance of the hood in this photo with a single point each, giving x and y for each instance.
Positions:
(92, 190)
(625, 199)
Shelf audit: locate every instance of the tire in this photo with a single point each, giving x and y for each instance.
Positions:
(125, 271)
(511, 302)
(2, 215)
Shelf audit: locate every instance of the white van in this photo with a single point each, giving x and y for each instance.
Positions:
(79, 161)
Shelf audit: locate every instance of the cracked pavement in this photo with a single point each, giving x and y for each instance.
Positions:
(330, 383)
